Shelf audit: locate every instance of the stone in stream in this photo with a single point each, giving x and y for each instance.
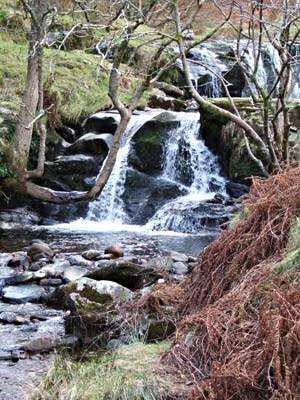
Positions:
(23, 293)
(18, 260)
(39, 250)
(176, 256)
(73, 273)
(7, 317)
(164, 263)
(78, 260)
(115, 250)
(92, 305)
(91, 254)
(126, 273)
(180, 268)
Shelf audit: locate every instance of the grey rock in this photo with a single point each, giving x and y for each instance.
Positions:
(115, 250)
(102, 122)
(39, 250)
(73, 273)
(176, 256)
(164, 263)
(92, 143)
(78, 260)
(51, 282)
(107, 289)
(18, 259)
(23, 293)
(130, 275)
(91, 254)
(180, 268)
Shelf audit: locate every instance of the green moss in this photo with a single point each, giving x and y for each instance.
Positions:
(94, 296)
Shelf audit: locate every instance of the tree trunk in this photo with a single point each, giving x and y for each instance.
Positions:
(28, 108)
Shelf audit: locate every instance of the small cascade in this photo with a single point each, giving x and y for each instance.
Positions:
(216, 58)
(189, 162)
(204, 67)
(109, 206)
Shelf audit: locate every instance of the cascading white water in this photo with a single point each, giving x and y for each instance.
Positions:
(109, 206)
(189, 162)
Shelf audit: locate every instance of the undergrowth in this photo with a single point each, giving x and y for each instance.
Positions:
(130, 372)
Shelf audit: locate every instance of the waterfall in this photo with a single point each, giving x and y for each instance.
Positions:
(216, 58)
(189, 162)
(109, 206)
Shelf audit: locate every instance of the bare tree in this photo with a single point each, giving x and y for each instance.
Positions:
(258, 24)
(127, 16)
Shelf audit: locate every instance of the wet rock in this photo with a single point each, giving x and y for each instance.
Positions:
(91, 254)
(23, 293)
(66, 133)
(79, 260)
(176, 256)
(18, 259)
(92, 143)
(45, 344)
(180, 268)
(72, 164)
(52, 270)
(73, 273)
(130, 275)
(237, 190)
(18, 217)
(115, 250)
(102, 123)
(35, 266)
(39, 250)
(7, 317)
(163, 263)
(166, 103)
(51, 282)
(18, 278)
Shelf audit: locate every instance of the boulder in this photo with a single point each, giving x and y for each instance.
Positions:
(91, 254)
(73, 273)
(39, 250)
(67, 133)
(92, 143)
(237, 190)
(115, 250)
(100, 292)
(18, 217)
(102, 123)
(123, 272)
(72, 164)
(166, 103)
(144, 195)
(163, 263)
(23, 293)
(176, 256)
